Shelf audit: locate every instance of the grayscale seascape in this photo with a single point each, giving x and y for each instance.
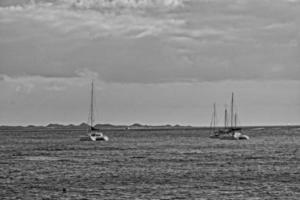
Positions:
(170, 164)
(149, 99)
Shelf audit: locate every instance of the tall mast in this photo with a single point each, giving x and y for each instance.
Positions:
(213, 119)
(225, 119)
(92, 105)
(235, 119)
(231, 111)
(215, 116)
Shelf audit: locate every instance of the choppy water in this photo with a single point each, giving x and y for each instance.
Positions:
(150, 165)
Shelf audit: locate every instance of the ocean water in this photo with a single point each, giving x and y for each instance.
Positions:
(150, 165)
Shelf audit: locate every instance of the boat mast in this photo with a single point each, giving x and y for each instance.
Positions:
(213, 120)
(235, 120)
(225, 118)
(231, 111)
(215, 117)
(92, 105)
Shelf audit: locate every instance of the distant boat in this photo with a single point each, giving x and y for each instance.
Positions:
(232, 132)
(93, 133)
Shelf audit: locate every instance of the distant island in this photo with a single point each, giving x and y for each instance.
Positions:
(85, 126)
(135, 126)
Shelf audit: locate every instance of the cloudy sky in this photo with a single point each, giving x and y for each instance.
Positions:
(153, 61)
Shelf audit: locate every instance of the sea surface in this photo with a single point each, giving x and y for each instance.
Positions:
(174, 164)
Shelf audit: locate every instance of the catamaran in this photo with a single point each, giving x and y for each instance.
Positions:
(232, 132)
(94, 134)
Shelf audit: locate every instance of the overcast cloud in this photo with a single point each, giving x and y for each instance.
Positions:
(170, 41)
(54, 44)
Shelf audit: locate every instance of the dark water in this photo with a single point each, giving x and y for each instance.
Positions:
(150, 165)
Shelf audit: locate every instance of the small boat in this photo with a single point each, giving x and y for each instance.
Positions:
(93, 134)
(96, 135)
(231, 132)
(234, 134)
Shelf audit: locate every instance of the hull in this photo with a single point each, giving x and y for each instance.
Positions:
(99, 138)
(94, 136)
(228, 137)
(244, 137)
(234, 136)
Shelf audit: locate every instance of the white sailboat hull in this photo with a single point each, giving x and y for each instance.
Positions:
(234, 136)
(98, 136)
(244, 137)
(103, 138)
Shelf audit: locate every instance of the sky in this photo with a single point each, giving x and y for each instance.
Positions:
(153, 61)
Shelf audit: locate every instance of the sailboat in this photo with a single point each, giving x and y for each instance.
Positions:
(216, 132)
(94, 134)
(233, 132)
